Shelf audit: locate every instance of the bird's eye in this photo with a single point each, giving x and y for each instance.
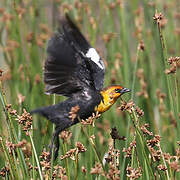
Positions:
(117, 90)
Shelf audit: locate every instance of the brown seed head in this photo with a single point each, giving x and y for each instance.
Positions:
(2, 10)
(45, 28)
(91, 119)
(4, 171)
(172, 60)
(154, 142)
(83, 169)
(74, 112)
(158, 17)
(141, 45)
(78, 4)
(8, 107)
(7, 17)
(97, 169)
(175, 166)
(174, 64)
(171, 70)
(1, 72)
(113, 172)
(45, 155)
(13, 112)
(93, 23)
(112, 5)
(177, 31)
(139, 111)
(160, 94)
(65, 135)
(127, 106)
(119, 3)
(167, 157)
(145, 131)
(115, 134)
(162, 167)
(25, 120)
(133, 173)
(37, 79)
(129, 149)
(30, 37)
(11, 147)
(70, 153)
(20, 11)
(80, 147)
(21, 98)
(156, 154)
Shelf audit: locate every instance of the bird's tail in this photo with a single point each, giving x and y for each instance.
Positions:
(40, 111)
(61, 124)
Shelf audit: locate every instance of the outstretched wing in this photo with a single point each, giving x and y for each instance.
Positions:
(72, 64)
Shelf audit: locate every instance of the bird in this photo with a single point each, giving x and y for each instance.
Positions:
(73, 68)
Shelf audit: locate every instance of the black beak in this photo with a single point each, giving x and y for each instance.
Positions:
(124, 90)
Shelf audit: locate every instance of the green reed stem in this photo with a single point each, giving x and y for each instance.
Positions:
(36, 157)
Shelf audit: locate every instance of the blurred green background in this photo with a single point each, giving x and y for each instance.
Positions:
(135, 50)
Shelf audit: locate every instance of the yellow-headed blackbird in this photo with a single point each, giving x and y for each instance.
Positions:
(74, 69)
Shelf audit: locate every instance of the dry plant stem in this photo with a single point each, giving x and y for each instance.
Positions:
(138, 161)
(135, 121)
(177, 96)
(9, 159)
(134, 73)
(91, 151)
(52, 160)
(94, 148)
(172, 103)
(52, 155)
(133, 151)
(136, 125)
(8, 117)
(164, 162)
(6, 55)
(132, 97)
(66, 160)
(33, 162)
(126, 145)
(12, 133)
(36, 157)
(16, 164)
(76, 166)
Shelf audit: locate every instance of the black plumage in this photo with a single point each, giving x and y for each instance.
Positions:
(69, 71)
(59, 114)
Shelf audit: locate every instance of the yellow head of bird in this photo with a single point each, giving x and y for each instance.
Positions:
(114, 92)
(110, 95)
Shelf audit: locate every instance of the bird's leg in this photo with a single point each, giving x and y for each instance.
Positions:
(55, 142)
(55, 139)
(56, 147)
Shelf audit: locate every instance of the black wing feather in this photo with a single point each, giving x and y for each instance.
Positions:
(67, 70)
(73, 34)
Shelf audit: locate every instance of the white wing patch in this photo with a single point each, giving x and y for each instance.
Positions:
(94, 56)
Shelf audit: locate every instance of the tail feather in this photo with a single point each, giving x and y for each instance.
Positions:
(61, 120)
(40, 111)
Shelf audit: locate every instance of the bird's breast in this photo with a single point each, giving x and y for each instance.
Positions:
(104, 105)
(101, 108)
